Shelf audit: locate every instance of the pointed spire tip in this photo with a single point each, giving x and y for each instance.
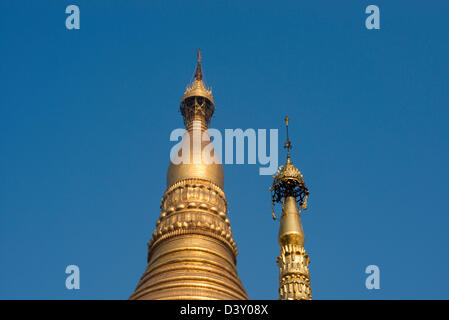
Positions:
(198, 73)
(288, 144)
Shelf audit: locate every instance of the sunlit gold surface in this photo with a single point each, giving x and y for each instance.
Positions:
(294, 278)
(212, 172)
(198, 88)
(293, 262)
(290, 230)
(192, 254)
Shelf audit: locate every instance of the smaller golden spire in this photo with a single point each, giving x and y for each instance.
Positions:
(289, 189)
(292, 182)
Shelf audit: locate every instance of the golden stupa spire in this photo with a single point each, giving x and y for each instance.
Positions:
(289, 188)
(197, 102)
(192, 254)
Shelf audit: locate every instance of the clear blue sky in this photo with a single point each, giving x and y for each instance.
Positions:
(85, 118)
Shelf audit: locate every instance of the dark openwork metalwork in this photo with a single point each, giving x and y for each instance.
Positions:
(197, 102)
(289, 186)
(289, 181)
(197, 108)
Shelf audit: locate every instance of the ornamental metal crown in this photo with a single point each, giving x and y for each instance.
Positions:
(288, 181)
(198, 88)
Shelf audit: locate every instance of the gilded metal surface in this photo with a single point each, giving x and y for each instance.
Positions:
(289, 181)
(290, 229)
(198, 88)
(289, 188)
(212, 172)
(192, 254)
(294, 278)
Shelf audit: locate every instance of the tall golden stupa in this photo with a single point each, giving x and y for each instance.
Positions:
(192, 254)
